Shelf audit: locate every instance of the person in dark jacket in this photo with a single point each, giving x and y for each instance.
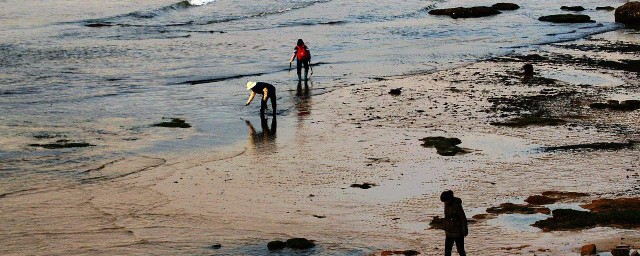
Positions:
(455, 226)
(268, 91)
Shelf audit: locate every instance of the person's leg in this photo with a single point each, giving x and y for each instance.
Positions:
(299, 68)
(306, 69)
(460, 246)
(273, 101)
(448, 246)
(263, 105)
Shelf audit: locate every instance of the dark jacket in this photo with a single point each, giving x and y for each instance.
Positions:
(455, 224)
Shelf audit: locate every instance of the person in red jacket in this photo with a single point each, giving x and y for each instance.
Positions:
(455, 225)
(302, 53)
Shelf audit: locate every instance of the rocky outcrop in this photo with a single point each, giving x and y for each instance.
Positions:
(626, 105)
(566, 18)
(506, 6)
(174, 123)
(629, 14)
(572, 8)
(466, 12)
(589, 249)
(444, 146)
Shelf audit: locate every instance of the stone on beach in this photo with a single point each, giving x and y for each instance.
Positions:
(572, 8)
(589, 249)
(506, 6)
(300, 243)
(444, 146)
(628, 14)
(466, 12)
(174, 123)
(276, 245)
(566, 18)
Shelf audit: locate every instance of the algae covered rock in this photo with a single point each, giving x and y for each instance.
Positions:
(300, 243)
(572, 8)
(506, 6)
(628, 14)
(466, 12)
(174, 123)
(566, 18)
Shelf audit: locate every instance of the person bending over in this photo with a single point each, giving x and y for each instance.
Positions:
(268, 91)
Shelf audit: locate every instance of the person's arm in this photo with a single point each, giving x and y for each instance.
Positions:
(293, 56)
(253, 94)
(462, 217)
(266, 93)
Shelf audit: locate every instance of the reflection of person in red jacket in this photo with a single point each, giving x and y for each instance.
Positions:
(455, 225)
(302, 53)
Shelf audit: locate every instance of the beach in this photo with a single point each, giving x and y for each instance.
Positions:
(198, 191)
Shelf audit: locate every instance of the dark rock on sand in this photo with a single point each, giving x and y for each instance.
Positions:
(276, 245)
(626, 105)
(405, 253)
(216, 246)
(506, 6)
(572, 8)
(444, 146)
(300, 243)
(529, 121)
(98, 25)
(396, 91)
(63, 144)
(621, 250)
(593, 146)
(589, 249)
(566, 18)
(509, 208)
(623, 212)
(605, 8)
(174, 123)
(528, 69)
(540, 200)
(635, 253)
(365, 185)
(628, 14)
(466, 12)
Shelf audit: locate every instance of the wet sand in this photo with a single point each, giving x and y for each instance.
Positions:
(299, 184)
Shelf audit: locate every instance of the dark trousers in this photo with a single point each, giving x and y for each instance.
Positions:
(299, 65)
(263, 103)
(448, 245)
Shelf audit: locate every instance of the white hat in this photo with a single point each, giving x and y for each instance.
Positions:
(251, 85)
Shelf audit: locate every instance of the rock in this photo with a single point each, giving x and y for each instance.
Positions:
(621, 250)
(63, 144)
(174, 123)
(598, 105)
(444, 146)
(216, 246)
(605, 8)
(300, 243)
(540, 200)
(506, 6)
(466, 12)
(276, 245)
(365, 185)
(589, 249)
(98, 25)
(628, 14)
(566, 18)
(572, 8)
(508, 208)
(406, 253)
(635, 253)
(530, 121)
(593, 146)
(396, 91)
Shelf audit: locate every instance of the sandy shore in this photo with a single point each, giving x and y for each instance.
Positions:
(298, 185)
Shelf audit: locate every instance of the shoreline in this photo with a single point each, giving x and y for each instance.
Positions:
(188, 202)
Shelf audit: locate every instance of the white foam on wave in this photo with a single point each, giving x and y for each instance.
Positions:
(200, 2)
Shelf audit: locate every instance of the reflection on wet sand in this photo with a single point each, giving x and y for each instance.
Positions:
(266, 138)
(303, 100)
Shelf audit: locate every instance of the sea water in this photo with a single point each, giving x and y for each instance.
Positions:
(103, 72)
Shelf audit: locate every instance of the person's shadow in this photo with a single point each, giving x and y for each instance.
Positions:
(265, 139)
